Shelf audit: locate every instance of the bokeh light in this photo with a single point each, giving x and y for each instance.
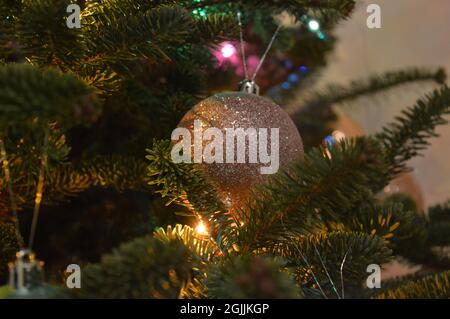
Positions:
(228, 50)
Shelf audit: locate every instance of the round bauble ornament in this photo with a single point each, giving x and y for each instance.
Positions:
(241, 139)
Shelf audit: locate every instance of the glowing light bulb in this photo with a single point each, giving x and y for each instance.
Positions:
(313, 25)
(201, 229)
(228, 50)
(338, 136)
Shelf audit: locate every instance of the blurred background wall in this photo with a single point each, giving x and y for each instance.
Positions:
(413, 33)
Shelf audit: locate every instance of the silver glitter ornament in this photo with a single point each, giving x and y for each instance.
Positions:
(240, 110)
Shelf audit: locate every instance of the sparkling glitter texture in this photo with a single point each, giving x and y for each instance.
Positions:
(242, 110)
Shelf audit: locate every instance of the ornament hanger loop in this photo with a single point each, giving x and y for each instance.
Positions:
(248, 85)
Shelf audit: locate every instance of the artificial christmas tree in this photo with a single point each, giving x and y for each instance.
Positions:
(86, 116)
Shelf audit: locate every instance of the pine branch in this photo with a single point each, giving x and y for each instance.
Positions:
(118, 172)
(377, 83)
(439, 225)
(439, 213)
(318, 258)
(316, 186)
(203, 248)
(152, 35)
(9, 246)
(66, 180)
(43, 34)
(421, 240)
(215, 29)
(186, 185)
(316, 116)
(327, 12)
(409, 134)
(27, 92)
(9, 10)
(343, 6)
(389, 221)
(431, 287)
(171, 264)
(243, 277)
(143, 268)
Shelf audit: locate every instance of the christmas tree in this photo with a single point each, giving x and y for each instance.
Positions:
(86, 116)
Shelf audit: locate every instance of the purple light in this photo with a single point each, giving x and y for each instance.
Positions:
(288, 64)
(228, 50)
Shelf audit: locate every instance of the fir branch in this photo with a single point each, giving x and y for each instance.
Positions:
(43, 34)
(9, 246)
(27, 92)
(325, 252)
(431, 287)
(187, 185)
(439, 225)
(421, 240)
(203, 250)
(202, 247)
(144, 268)
(171, 264)
(126, 7)
(215, 29)
(245, 277)
(295, 199)
(344, 6)
(153, 34)
(327, 12)
(439, 213)
(9, 10)
(377, 83)
(389, 221)
(114, 171)
(316, 116)
(409, 134)
(69, 180)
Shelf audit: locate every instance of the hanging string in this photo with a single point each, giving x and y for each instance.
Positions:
(39, 189)
(241, 36)
(272, 40)
(274, 36)
(12, 199)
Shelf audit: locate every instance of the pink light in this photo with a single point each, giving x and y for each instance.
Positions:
(228, 50)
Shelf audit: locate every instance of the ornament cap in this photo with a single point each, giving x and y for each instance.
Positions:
(249, 86)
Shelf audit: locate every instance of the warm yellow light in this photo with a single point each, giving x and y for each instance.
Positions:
(338, 136)
(201, 229)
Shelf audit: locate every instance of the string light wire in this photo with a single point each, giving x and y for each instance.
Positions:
(39, 188)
